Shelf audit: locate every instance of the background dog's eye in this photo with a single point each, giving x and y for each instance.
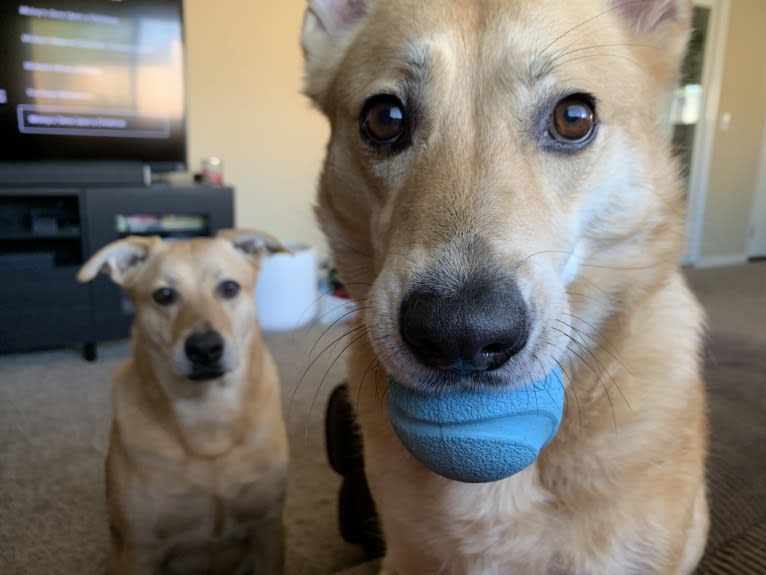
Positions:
(165, 296)
(383, 120)
(228, 289)
(573, 120)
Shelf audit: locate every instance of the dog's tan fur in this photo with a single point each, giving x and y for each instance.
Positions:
(195, 474)
(592, 239)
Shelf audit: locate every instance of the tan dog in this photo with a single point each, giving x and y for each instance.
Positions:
(500, 198)
(198, 450)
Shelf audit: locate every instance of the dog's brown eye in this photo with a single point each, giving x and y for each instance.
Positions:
(383, 120)
(573, 120)
(165, 296)
(228, 289)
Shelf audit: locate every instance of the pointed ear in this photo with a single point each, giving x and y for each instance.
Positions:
(119, 260)
(329, 26)
(252, 243)
(647, 15)
(663, 26)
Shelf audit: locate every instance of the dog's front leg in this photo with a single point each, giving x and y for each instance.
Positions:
(267, 547)
(134, 560)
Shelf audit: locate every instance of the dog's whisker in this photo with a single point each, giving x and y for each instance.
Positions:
(622, 57)
(598, 375)
(572, 294)
(585, 22)
(573, 387)
(657, 264)
(604, 369)
(381, 360)
(324, 379)
(559, 58)
(566, 351)
(598, 341)
(533, 379)
(601, 341)
(337, 321)
(314, 360)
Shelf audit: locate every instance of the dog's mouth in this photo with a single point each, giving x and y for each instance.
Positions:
(205, 373)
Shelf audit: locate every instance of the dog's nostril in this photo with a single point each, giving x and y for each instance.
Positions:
(494, 348)
(204, 348)
(478, 329)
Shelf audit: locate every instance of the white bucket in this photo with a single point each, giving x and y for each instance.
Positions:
(286, 290)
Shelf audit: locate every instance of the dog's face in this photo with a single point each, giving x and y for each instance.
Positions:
(194, 302)
(496, 173)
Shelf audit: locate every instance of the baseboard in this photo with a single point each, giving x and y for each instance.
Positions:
(721, 261)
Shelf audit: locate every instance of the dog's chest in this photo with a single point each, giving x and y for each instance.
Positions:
(213, 503)
(212, 521)
(206, 425)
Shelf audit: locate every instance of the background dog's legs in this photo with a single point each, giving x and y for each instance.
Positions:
(268, 547)
(134, 560)
(385, 569)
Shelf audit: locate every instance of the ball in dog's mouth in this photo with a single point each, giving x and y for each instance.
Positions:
(478, 436)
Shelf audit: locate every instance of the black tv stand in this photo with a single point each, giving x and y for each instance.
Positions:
(75, 174)
(48, 232)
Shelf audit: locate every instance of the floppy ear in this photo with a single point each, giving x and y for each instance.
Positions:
(329, 26)
(119, 260)
(663, 26)
(252, 243)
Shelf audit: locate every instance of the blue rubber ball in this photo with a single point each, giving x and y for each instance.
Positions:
(477, 437)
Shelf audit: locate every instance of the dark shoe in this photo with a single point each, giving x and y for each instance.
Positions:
(357, 516)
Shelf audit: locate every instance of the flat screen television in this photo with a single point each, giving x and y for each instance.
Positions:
(92, 81)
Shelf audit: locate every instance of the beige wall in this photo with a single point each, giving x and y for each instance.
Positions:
(736, 153)
(244, 72)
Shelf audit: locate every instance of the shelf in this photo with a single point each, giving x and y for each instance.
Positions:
(180, 233)
(62, 235)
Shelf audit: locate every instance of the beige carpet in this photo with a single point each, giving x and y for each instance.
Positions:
(54, 411)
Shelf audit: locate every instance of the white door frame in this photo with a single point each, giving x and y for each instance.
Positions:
(704, 136)
(759, 204)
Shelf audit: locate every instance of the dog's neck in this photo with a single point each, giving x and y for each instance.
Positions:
(211, 418)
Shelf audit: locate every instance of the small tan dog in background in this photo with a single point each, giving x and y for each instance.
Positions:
(195, 475)
(499, 195)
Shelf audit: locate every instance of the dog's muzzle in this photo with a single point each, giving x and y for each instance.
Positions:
(204, 350)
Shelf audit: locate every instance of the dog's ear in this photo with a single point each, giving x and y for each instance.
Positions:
(119, 260)
(328, 29)
(252, 243)
(647, 15)
(663, 26)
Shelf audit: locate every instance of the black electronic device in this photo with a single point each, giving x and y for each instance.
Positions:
(91, 91)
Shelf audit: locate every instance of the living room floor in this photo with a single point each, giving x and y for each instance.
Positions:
(54, 418)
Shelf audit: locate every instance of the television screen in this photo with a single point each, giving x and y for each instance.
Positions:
(92, 80)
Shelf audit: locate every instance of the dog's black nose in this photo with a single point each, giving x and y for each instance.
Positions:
(204, 348)
(478, 327)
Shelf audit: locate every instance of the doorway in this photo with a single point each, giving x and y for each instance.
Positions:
(756, 240)
(693, 111)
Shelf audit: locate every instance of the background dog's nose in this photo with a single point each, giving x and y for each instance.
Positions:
(204, 348)
(478, 328)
